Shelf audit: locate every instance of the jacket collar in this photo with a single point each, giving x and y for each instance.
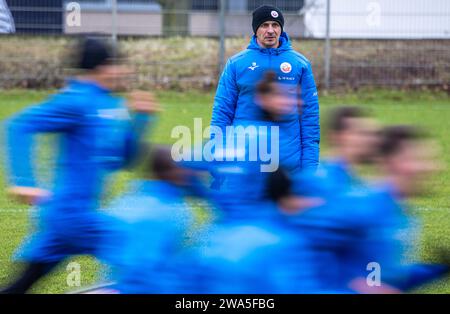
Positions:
(91, 86)
(285, 45)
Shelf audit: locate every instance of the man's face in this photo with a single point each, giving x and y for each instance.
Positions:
(277, 103)
(360, 138)
(115, 77)
(413, 164)
(268, 34)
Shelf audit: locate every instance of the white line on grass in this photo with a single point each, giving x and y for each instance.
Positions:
(18, 210)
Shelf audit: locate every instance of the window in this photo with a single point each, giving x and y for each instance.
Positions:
(283, 5)
(39, 17)
(249, 5)
(125, 2)
(151, 5)
(205, 5)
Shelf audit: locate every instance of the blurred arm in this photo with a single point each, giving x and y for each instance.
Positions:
(145, 107)
(136, 137)
(58, 114)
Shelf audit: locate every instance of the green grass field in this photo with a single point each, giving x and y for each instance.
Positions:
(428, 109)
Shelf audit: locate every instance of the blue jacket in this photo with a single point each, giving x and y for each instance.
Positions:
(97, 136)
(332, 177)
(244, 177)
(234, 101)
(153, 221)
(344, 236)
(359, 225)
(243, 194)
(256, 257)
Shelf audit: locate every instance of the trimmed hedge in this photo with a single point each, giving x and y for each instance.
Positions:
(192, 63)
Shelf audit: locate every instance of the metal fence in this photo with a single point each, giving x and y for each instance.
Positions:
(184, 44)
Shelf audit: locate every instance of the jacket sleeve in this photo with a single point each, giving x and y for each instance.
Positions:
(309, 120)
(58, 114)
(226, 98)
(224, 108)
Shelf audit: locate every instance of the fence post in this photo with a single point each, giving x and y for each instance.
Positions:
(114, 23)
(222, 35)
(327, 49)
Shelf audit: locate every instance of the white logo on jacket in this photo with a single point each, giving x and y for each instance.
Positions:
(253, 66)
(114, 114)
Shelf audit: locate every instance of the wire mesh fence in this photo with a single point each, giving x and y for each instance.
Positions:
(177, 44)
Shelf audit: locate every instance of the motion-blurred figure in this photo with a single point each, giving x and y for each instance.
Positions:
(353, 138)
(358, 236)
(98, 134)
(255, 153)
(407, 158)
(152, 222)
(258, 254)
(248, 257)
(315, 203)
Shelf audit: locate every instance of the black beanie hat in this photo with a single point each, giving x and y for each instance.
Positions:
(267, 13)
(92, 53)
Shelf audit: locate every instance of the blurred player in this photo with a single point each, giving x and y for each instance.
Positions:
(407, 159)
(353, 138)
(363, 228)
(247, 257)
(243, 192)
(98, 134)
(255, 255)
(152, 221)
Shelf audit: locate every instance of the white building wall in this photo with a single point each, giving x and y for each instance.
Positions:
(380, 18)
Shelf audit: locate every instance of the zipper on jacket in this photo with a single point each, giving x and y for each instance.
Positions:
(270, 60)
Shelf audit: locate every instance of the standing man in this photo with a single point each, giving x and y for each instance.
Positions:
(234, 104)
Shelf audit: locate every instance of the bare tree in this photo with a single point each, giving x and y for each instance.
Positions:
(175, 17)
